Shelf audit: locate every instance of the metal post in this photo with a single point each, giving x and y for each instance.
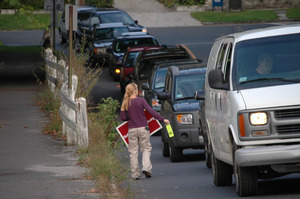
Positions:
(53, 25)
(70, 45)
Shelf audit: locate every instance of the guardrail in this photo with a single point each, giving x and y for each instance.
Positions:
(73, 111)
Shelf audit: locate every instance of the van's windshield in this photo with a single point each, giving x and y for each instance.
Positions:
(267, 62)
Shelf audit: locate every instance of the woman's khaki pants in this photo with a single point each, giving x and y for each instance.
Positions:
(139, 136)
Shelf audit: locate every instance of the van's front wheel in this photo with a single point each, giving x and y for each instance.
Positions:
(222, 172)
(245, 178)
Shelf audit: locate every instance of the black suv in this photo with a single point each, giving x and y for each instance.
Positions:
(102, 38)
(156, 82)
(87, 19)
(63, 33)
(146, 61)
(178, 104)
(120, 45)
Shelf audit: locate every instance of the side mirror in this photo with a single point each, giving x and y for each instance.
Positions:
(215, 80)
(136, 21)
(163, 96)
(145, 86)
(131, 76)
(200, 95)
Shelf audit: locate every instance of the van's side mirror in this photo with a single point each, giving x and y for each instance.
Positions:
(215, 80)
(163, 96)
(145, 86)
(200, 95)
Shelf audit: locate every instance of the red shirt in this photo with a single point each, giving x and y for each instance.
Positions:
(135, 115)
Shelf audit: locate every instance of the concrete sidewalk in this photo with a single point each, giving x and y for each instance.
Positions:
(150, 13)
(33, 165)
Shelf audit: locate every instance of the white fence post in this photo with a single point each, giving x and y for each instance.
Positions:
(73, 111)
(82, 123)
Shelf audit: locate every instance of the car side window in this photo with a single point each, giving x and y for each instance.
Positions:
(221, 56)
(84, 19)
(94, 20)
(226, 69)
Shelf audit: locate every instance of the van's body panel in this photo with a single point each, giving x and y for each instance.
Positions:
(253, 118)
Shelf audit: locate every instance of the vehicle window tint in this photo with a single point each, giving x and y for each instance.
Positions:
(123, 44)
(116, 17)
(145, 70)
(282, 55)
(84, 20)
(221, 56)
(187, 85)
(159, 80)
(94, 20)
(227, 64)
(109, 33)
(131, 59)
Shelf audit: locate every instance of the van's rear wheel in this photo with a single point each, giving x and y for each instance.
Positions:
(245, 178)
(175, 153)
(222, 172)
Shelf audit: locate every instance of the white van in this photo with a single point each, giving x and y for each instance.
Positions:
(252, 106)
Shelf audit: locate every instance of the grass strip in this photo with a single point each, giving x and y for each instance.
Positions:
(245, 16)
(24, 22)
(293, 13)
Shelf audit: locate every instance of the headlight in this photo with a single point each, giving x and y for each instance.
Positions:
(259, 118)
(155, 102)
(144, 30)
(185, 118)
(117, 71)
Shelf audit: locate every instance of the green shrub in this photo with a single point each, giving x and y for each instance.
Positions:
(100, 4)
(170, 3)
(189, 2)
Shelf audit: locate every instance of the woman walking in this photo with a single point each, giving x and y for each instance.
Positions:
(132, 110)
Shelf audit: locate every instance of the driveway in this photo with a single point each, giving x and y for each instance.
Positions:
(151, 13)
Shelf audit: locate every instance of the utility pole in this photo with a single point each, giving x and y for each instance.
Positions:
(70, 45)
(53, 24)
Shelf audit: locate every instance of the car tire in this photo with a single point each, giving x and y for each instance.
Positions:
(245, 177)
(164, 146)
(207, 153)
(176, 154)
(222, 172)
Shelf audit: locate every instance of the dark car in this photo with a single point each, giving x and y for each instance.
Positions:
(102, 38)
(120, 45)
(129, 62)
(156, 83)
(146, 61)
(178, 104)
(87, 19)
(63, 32)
